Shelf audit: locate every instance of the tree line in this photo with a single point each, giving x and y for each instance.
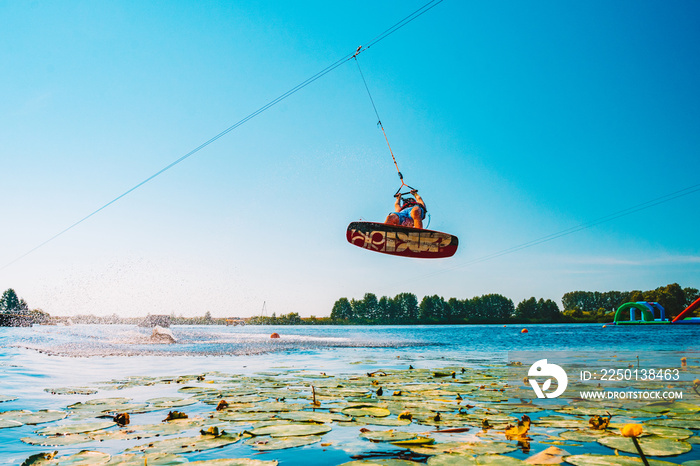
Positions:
(579, 306)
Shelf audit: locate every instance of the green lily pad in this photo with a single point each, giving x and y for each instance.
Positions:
(132, 459)
(452, 459)
(472, 448)
(234, 462)
(171, 402)
(83, 458)
(668, 432)
(290, 430)
(681, 423)
(6, 423)
(611, 460)
(366, 410)
(280, 443)
(185, 444)
(383, 421)
(381, 462)
(58, 440)
(71, 391)
(4, 398)
(581, 435)
(388, 435)
(652, 445)
(499, 460)
(313, 416)
(75, 428)
(33, 417)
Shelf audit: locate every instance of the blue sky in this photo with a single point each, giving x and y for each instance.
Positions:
(514, 120)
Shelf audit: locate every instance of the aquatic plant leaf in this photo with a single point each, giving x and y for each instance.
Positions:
(58, 440)
(33, 417)
(40, 459)
(452, 459)
(682, 423)
(415, 441)
(668, 432)
(290, 430)
(133, 459)
(234, 462)
(4, 398)
(281, 443)
(75, 428)
(71, 391)
(381, 462)
(366, 410)
(499, 460)
(6, 423)
(238, 416)
(382, 421)
(388, 435)
(612, 460)
(314, 416)
(185, 444)
(171, 402)
(83, 458)
(652, 446)
(581, 435)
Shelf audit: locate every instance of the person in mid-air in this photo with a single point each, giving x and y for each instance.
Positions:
(409, 212)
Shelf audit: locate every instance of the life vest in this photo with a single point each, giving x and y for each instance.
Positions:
(409, 203)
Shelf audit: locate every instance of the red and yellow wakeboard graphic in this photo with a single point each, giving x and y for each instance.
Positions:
(402, 241)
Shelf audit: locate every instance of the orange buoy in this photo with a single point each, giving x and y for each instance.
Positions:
(275, 335)
(523, 330)
(604, 326)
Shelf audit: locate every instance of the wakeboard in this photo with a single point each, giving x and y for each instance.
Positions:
(402, 241)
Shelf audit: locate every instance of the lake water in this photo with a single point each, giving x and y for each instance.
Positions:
(44, 357)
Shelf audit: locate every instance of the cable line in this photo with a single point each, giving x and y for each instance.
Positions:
(583, 226)
(428, 6)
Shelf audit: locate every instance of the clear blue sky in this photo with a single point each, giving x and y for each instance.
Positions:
(515, 120)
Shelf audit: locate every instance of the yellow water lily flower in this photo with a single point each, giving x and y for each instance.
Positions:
(631, 430)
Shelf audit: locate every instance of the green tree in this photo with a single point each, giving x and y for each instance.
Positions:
(432, 309)
(406, 308)
(691, 294)
(9, 302)
(528, 310)
(342, 310)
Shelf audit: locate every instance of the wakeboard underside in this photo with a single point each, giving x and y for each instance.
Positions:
(402, 241)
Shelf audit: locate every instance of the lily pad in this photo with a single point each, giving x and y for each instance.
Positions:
(652, 445)
(668, 432)
(83, 458)
(171, 402)
(132, 459)
(290, 430)
(234, 462)
(57, 440)
(313, 416)
(6, 423)
(381, 462)
(186, 444)
(75, 428)
(281, 443)
(4, 398)
(71, 391)
(388, 435)
(33, 417)
(611, 460)
(366, 410)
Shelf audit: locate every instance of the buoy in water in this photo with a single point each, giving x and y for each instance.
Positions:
(275, 335)
(604, 326)
(523, 330)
